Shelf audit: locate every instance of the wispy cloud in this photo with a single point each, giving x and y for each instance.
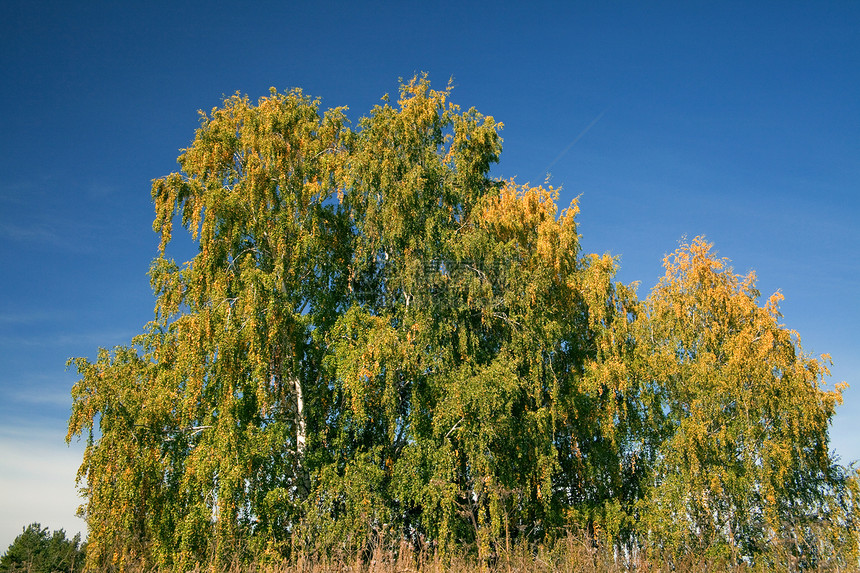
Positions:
(29, 233)
(32, 317)
(23, 191)
(47, 234)
(52, 394)
(45, 212)
(37, 481)
(93, 339)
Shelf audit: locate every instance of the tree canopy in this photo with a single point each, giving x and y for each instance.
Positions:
(377, 340)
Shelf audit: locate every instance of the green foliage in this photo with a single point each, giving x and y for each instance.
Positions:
(745, 464)
(378, 343)
(38, 551)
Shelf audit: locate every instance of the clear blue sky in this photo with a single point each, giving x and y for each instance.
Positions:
(739, 121)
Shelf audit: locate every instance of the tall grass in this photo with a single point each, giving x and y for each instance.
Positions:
(571, 554)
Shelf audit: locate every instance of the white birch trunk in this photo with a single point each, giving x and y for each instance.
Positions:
(303, 481)
(301, 429)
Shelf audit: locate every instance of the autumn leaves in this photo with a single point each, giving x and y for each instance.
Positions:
(375, 332)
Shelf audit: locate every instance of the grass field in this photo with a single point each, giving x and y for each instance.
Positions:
(572, 554)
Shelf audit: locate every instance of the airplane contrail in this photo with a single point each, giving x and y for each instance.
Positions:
(572, 143)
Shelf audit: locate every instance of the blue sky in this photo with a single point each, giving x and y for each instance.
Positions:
(739, 121)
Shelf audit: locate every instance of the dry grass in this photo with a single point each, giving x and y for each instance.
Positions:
(569, 555)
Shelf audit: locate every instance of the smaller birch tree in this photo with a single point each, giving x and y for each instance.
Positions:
(745, 464)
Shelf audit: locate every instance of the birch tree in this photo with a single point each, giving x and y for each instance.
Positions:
(745, 469)
(231, 359)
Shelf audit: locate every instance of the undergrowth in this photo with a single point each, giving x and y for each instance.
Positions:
(570, 554)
